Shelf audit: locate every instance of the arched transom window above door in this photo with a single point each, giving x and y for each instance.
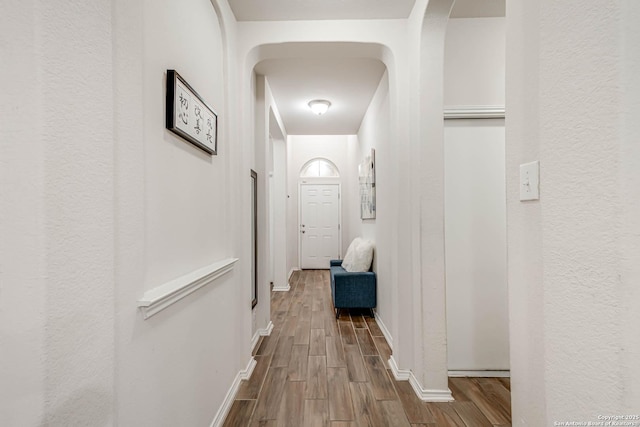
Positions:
(319, 168)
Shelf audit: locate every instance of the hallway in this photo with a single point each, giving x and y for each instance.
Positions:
(315, 371)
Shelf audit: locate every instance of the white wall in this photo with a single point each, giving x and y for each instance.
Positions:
(178, 175)
(260, 160)
(573, 290)
(179, 226)
(476, 245)
(375, 133)
(474, 61)
(266, 155)
(104, 204)
(279, 203)
(23, 254)
(56, 271)
(475, 211)
(425, 158)
(526, 297)
(303, 148)
(630, 165)
(292, 216)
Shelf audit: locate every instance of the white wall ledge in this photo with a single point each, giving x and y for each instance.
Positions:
(157, 299)
(474, 112)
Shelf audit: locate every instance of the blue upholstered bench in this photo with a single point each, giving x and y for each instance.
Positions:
(352, 290)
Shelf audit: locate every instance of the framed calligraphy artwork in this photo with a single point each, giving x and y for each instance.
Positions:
(189, 116)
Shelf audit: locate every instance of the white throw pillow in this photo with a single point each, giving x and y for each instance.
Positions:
(362, 256)
(350, 255)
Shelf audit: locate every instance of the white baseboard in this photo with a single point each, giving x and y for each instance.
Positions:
(294, 269)
(423, 394)
(385, 331)
(245, 374)
(264, 332)
(481, 373)
(222, 413)
(281, 288)
(399, 374)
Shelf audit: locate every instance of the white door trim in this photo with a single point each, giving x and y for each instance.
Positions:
(319, 181)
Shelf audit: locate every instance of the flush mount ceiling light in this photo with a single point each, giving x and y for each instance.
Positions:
(319, 106)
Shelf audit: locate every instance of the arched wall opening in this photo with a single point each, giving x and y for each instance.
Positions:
(262, 103)
(428, 169)
(425, 157)
(418, 355)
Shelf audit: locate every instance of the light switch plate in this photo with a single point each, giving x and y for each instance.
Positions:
(530, 181)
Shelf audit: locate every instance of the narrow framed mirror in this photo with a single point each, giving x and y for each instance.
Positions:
(254, 238)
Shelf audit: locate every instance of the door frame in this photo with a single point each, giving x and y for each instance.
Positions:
(319, 181)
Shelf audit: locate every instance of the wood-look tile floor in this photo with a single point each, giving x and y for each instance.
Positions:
(314, 370)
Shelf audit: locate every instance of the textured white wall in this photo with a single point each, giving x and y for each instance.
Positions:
(268, 156)
(427, 204)
(175, 241)
(375, 133)
(476, 245)
(474, 61)
(280, 220)
(57, 222)
(172, 219)
(260, 162)
(23, 254)
(77, 84)
(104, 204)
(278, 188)
(475, 211)
(292, 216)
(630, 222)
(571, 283)
(526, 302)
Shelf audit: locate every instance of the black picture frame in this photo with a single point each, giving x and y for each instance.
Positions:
(189, 116)
(254, 238)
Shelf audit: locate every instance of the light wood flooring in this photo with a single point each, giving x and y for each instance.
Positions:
(314, 370)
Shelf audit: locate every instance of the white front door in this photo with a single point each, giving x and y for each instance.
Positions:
(319, 225)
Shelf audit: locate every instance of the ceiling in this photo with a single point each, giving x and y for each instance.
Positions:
(349, 83)
(478, 8)
(294, 10)
(291, 10)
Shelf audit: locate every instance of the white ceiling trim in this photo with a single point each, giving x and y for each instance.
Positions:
(296, 10)
(474, 112)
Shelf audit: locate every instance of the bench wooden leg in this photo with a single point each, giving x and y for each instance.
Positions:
(337, 313)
